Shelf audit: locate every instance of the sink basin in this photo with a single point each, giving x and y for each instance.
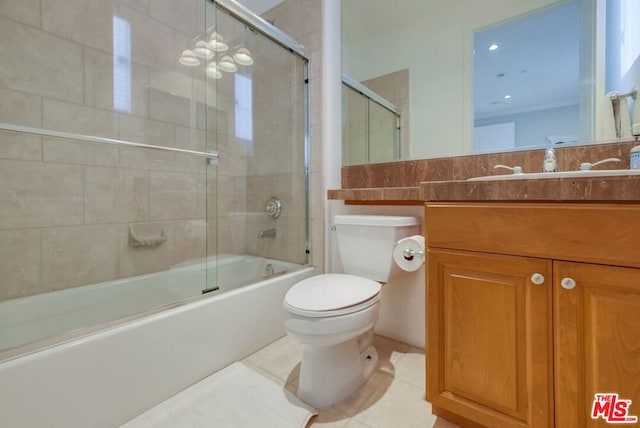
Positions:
(561, 174)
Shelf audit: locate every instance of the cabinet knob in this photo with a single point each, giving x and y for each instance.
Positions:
(537, 278)
(568, 283)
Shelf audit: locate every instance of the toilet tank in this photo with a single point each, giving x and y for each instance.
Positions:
(365, 243)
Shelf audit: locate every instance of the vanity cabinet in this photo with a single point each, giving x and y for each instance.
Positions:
(531, 310)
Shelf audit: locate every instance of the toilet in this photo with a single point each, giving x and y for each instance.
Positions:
(332, 315)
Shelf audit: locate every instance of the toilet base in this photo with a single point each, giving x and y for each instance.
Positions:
(329, 374)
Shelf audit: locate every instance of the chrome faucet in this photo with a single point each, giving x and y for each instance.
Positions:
(550, 164)
(271, 233)
(585, 166)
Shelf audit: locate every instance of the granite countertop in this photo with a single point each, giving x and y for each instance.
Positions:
(618, 188)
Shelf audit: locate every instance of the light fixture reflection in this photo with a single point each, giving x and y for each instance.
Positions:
(227, 64)
(506, 97)
(202, 50)
(493, 47)
(216, 43)
(243, 56)
(213, 71)
(189, 58)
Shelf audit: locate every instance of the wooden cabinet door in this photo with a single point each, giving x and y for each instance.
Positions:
(597, 339)
(489, 338)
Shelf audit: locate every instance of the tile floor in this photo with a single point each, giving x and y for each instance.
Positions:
(393, 396)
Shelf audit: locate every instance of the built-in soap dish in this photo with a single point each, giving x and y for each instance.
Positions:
(147, 235)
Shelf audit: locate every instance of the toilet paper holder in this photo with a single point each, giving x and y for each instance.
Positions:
(409, 254)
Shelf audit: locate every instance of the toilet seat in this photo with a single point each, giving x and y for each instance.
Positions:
(331, 295)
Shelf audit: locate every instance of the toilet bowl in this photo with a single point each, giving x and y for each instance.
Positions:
(332, 315)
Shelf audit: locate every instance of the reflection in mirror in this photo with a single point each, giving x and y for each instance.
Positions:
(371, 119)
(434, 41)
(526, 75)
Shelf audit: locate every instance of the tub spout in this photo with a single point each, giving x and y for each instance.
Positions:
(271, 233)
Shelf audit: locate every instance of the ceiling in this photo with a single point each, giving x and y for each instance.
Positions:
(536, 63)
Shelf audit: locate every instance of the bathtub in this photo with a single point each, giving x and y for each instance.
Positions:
(106, 378)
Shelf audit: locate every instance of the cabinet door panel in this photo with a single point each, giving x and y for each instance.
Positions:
(488, 338)
(597, 339)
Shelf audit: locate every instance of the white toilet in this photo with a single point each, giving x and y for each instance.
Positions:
(333, 315)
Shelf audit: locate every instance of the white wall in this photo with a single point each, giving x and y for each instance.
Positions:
(438, 45)
(532, 128)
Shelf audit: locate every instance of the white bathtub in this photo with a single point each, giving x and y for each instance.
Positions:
(30, 319)
(107, 378)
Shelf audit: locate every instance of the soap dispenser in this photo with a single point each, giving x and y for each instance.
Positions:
(550, 164)
(634, 158)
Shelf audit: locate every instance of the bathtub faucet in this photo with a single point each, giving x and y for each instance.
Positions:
(271, 233)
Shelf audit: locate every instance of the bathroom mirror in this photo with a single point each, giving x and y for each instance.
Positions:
(545, 81)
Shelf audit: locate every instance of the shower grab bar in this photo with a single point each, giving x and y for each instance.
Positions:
(213, 154)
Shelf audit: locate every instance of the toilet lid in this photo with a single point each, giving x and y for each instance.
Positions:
(330, 292)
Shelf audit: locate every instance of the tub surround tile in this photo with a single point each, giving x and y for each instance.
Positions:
(190, 241)
(20, 108)
(98, 83)
(73, 256)
(37, 194)
(24, 11)
(114, 195)
(75, 118)
(48, 66)
(177, 195)
(61, 150)
(140, 260)
(15, 145)
(20, 258)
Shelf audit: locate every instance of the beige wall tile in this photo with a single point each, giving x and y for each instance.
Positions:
(231, 234)
(19, 108)
(152, 43)
(145, 131)
(16, 145)
(194, 139)
(25, 11)
(67, 117)
(98, 83)
(36, 194)
(139, 260)
(73, 256)
(141, 158)
(48, 65)
(114, 195)
(166, 107)
(230, 196)
(19, 263)
(62, 150)
(190, 241)
(180, 14)
(139, 5)
(88, 22)
(177, 196)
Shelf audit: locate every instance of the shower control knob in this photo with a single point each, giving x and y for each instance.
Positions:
(274, 207)
(537, 278)
(568, 283)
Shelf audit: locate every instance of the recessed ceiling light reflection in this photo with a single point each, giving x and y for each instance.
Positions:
(506, 97)
(493, 47)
